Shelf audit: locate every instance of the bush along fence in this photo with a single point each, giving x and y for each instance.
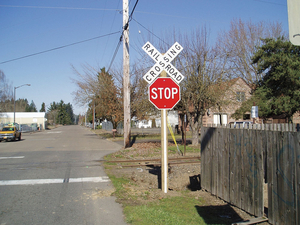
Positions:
(235, 164)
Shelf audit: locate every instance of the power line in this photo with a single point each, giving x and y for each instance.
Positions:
(273, 3)
(121, 37)
(130, 17)
(113, 21)
(150, 32)
(115, 53)
(50, 7)
(64, 46)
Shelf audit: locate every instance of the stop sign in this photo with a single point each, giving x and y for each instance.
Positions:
(164, 93)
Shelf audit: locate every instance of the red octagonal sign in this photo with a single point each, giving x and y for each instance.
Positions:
(164, 93)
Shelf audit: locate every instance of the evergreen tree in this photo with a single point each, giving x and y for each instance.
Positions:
(31, 107)
(278, 92)
(43, 107)
(61, 113)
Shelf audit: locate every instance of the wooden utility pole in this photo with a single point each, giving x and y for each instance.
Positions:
(164, 146)
(126, 76)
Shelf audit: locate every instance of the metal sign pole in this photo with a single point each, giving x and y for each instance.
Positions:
(164, 147)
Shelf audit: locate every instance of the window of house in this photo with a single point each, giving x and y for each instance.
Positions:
(240, 96)
(220, 118)
(246, 117)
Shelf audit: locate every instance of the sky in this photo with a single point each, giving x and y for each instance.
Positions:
(40, 41)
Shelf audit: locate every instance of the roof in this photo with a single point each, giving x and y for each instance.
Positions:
(23, 114)
(233, 81)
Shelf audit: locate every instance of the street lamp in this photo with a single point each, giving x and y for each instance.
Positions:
(94, 106)
(15, 100)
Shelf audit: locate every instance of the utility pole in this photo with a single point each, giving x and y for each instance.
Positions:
(126, 77)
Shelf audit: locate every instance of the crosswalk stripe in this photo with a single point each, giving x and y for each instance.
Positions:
(13, 157)
(54, 181)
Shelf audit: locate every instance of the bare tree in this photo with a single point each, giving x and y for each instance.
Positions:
(87, 84)
(239, 44)
(105, 91)
(6, 92)
(204, 69)
(141, 108)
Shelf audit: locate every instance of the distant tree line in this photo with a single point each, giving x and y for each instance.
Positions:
(60, 113)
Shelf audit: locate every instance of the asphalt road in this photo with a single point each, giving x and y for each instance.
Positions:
(55, 177)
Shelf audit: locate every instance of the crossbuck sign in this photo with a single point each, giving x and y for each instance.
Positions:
(163, 62)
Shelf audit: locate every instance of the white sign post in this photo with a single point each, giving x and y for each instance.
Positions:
(254, 112)
(163, 65)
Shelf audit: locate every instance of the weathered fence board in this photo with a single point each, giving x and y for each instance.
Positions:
(235, 167)
(283, 163)
(258, 174)
(296, 143)
(271, 144)
(236, 161)
(226, 173)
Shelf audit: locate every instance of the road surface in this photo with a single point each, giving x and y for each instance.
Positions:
(55, 177)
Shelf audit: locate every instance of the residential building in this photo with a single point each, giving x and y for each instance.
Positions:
(237, 91)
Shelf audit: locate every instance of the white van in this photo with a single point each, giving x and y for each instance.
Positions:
(241, 124)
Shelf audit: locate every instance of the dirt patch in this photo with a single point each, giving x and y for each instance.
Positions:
(183, 179)
(102, 193)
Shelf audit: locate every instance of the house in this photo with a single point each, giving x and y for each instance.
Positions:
(143, 123)
(25, 119)
(172, 118)
(237, 91)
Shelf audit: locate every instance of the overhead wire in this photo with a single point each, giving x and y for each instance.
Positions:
(115, 54)
(121, 37)
(113, 21)
(50, 7)
(150, 31)
(268, 2)
(64, 46)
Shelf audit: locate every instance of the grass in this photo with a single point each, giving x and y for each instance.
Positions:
(173, 210)
(139, 209)
(139, 136)
(189, 148)
(170, 210)
(118, 184)
(177, 210)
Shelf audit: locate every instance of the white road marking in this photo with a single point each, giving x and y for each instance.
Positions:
(89, 179)
(13, 157)
(54, 181)
(30, 182)
(54, 132)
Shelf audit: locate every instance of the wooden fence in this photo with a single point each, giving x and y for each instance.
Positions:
(235, 164)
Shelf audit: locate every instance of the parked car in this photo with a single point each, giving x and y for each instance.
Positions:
(10, 133)
(241, 124)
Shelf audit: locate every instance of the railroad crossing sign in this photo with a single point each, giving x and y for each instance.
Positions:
(164, 93)
(163, 62)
